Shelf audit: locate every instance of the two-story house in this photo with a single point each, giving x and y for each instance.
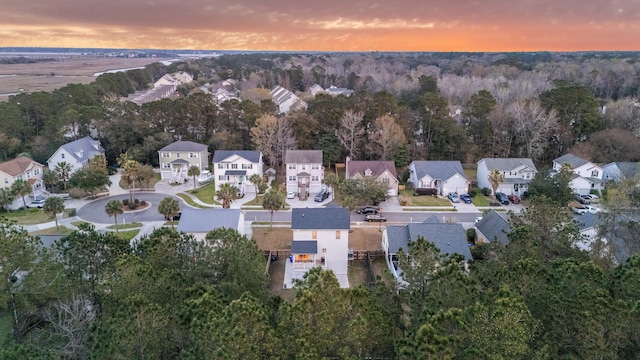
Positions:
(516, 172)
(587, 176)
(304, 171)
(177, 157)
(618, 171)
(443, 176)
(22, 168)
(76, 153)
(448, 238)
(235, 167)
(320, 238)
(382, 171)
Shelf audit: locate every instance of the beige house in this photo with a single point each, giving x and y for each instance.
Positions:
(382, 171)
(176, 159)
(22, 168)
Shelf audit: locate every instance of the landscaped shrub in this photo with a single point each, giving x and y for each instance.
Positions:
(137, 201)
(486, 191)
(132, 206)
(473, 191)
(471, 236)
(143, 203)
(125, 202)
(72, 212)
(77, 193)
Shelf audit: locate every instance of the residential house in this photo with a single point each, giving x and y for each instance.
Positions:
(76, 153)
(382, 171)
(176, 159)
(286, 100)
(448, 238)
(236, 167)
(517, 174)
(22, 168)
(304, 171)
(492, 227)
(588, 227)
(618, 171)
(163, 88)
(444, 176)
(320, 239)
(198, 222)
(587, 176)
(331, 90)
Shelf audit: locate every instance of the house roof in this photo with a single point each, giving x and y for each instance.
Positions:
(304, 247)
(320, 218)
(85, 148)
(507, 164)
(574, 161)
(250, 155)
(303, 157)
(448, 238)
(377, 167)
(179, 161)
(184, 146)
(431, 220)
(205, 220)
(439, 170)
(494, 227)
(628, 170)
(17, 166)
(586, 221)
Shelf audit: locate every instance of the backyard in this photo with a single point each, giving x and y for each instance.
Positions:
(279, 238)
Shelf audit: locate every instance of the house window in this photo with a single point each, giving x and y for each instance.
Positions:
(594, 173)
(166, 155)
(315, 167)
(315, 178)
(220, 166)
(593, 185)
(314, 234)
(291, 166)
(36, 172)
(223, 177)
(368, 172)
(324, 250)
(338, 234)
(62, 156)
(193, 155)
(28, 174)
(247, 166)
(19, 177)
(303, 167)
(6, 180)
(385, 181)
(166, 166)
(234, 166)
(292, 178)
(177, 154)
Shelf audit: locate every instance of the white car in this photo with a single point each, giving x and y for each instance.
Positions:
(38, 203)
(291, 195)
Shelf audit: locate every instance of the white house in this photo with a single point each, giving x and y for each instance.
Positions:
(588, 227)
(304, 171)
(381, 171)
(286, 100)
(444, 176)
(587, 176)
(22, 168)
(517, 174)
(448, 238)
(177, 157)
(617, 171)
(320, 238)
(76, 153)
(198, 222)
(236, 167)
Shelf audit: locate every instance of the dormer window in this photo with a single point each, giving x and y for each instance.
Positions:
(62, 156)
(368, 172)
(594, 173)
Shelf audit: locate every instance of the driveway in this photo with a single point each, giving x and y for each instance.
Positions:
(94, 211)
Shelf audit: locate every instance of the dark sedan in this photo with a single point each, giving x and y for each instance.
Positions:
(465, 198)
(377, 218)
(368, 210)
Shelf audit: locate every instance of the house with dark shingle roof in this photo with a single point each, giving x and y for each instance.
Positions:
(76, 153)
(21, 168)
(444, 176)
(320, 238)
(587, 176)
(618, 171)
(517, 174)
(304, 171)
(493, 227)
(448, 238)
(177, 157)
(382, 171)
(198, 222)
(235, 167)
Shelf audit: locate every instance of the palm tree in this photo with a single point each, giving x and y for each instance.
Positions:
(227, 194)
(6, 198)
(63, 169)
(193, 171)
(332, 180)
(50, 179)
(52, 207)
(256, 180)
(130, 172)
(495, 179)
(169, 207)
(114, 208)
(21, 188)
(273, 201)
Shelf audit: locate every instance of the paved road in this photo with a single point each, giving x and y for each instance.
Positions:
(392, 217)
(94, 211)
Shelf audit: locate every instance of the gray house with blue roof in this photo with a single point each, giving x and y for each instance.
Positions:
(235, 167)
(444, 176)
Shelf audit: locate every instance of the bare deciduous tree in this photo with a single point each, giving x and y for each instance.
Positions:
(386, 135)
(273, 136)
(69, 323)
(533, 125)
(351, 132)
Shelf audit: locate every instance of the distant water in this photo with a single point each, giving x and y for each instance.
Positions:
(165, 62)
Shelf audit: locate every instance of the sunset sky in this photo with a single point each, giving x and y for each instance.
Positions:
(328, 25)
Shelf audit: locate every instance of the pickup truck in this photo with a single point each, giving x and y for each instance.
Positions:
(585, 209)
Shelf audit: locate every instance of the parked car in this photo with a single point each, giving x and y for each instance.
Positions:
(240, 194)
(582, 200)
(589, 197)
(177, 217)
(514, 199)
(291, 195)
(368, 210)
(580, 210)
(375, 217)
(502, 198)
(322, 196)
(37, 203)
(453, 197)
(465, 198)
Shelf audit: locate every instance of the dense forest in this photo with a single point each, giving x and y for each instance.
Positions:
(171, 297)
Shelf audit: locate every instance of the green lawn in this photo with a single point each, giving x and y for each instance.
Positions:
(128, 234)
(257, 201)
(134, 225)
(27, 216)
(424, 200)
(480, 200)
(206, 193)
(78, 223)
(190, 201)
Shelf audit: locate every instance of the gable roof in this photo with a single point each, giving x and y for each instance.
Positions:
(205, 220)
(250, 155)
(448, 238)
(87, 147)
(184, 146)
(377, 167)
(17, 166)
(439, 170)
(320, 218)
(507, 164)
(628, 170)
(574, 161)
(494, 227)
(303, 157)
(586, 221)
